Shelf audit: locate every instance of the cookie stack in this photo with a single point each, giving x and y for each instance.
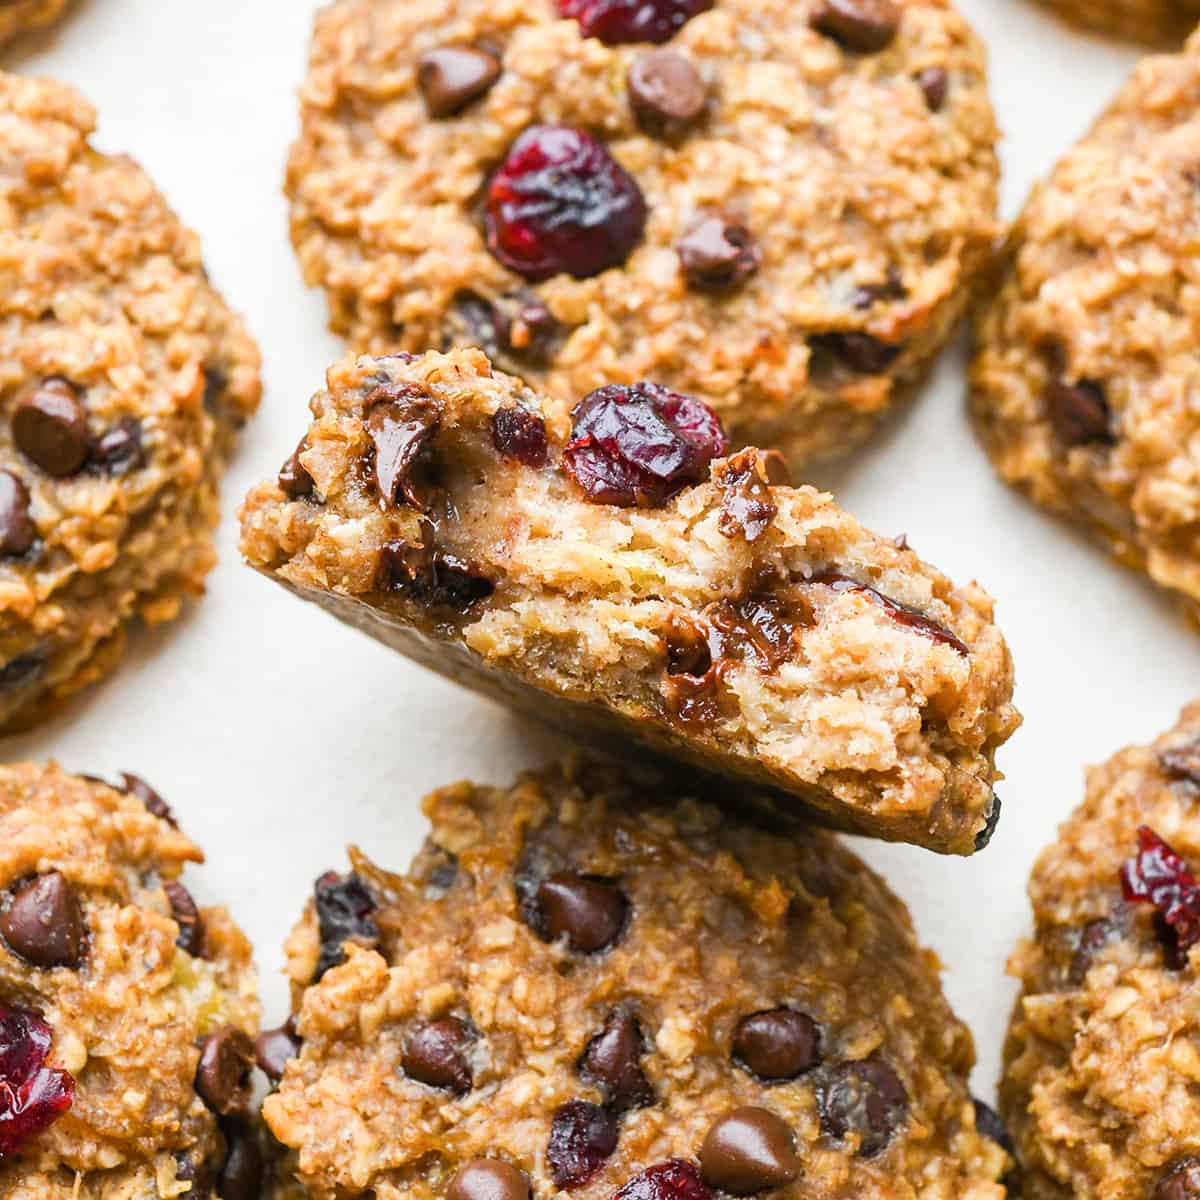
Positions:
(612, 272)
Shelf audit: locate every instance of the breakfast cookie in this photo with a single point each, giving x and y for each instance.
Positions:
(1101, 1062)
(592, 983)
(22, 16)
(1085, 374)
(775, 205)
(127, 1011)
(123, 378)
(611, 570)
(1152, 22)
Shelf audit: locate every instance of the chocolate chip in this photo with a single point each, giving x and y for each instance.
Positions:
(1092, 939)
(187, 917)
(1182, 763)
(590, 912)
(520, 434)
(749, 1150)
(863, 26)
(1181, 1181)
(401, 424)
(223, 1076)
(23, 671)
(275, 1048)
(431, 576)
(867, 295)
(156, 806)
(17, 531)
(435, 1053)
(241, 1175)
(582, 1136)
(488, 1179)
(452, 77)
(778, 1043)
(294, 480)
(216, 384)
(990, 822)
(611, 1062)
(863, 1100)
(1078, 413)
(861, 352)
(988, 1123)
(666, 92)
(517, 326)
(934, 82)
(44, 923)
(717, 253)
(120, 448)
(50, 427)
(747, 508)
(345, 911)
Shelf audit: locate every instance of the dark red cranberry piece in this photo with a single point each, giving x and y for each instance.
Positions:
(561, 204)
(520, 434)
(612, 1062)
(674, 1179)
(1181, 1181)
(1157, 874)
(345, 911)
(32, 1095)
(617, 22)
(777, 1044)
(1078, 413)
(865, 1100)
(589, 912)
(1182, 763)
(582, 1136)
(435, 1053)
(639, 445)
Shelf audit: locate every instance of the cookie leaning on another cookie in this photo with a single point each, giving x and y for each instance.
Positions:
(23, 16)
(592, 983)
(123, 379)
(777, 206)
(1085, 373)
(1099, 1085)
(126, 1010)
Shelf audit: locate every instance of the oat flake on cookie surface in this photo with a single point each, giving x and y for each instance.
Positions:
(1101, 1061)
(775, 205)
(592, 984)
(1086, 374)
(123, 378)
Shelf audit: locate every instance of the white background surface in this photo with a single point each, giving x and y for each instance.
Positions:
(279, 736)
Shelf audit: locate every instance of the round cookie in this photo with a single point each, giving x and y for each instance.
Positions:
(775, 206)
(1085, 372)
(1152, 22)
(1101, 1065)
(126, 1011)
(123, 377)
(21, 16)
(593, 983)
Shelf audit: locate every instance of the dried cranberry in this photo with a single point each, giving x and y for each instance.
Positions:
(520, 434)
(616, 22)
(560, 203)
(640, 444)
(344, 910)
(582, 1136)
(32, 1095)
(1157, 874)
(674, 1179)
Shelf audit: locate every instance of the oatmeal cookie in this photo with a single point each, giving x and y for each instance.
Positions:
(1085, 374)
(609, 571)
(21, 16)
(592, 983)
(1101, 1062)
(776, 205)
(123, 378)
(127, 1011)
(1152, 22)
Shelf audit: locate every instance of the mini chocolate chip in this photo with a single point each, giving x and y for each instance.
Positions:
(749, 1150)
(582, 1137)
(294, 480)
(435, 1053)
(452, 77)
(44, 923)
(988, 1123)
(520, 434)
(216, 383)
(1078, 412)
(241, 1175)
(864, 1099)
(488, 1179)
(864, 26)
(717, 253)
(934, 82)
(867, 295)
(861, 352)
(590, 912)
(275, 1048)
(611, 1062)
(223, 1076)
(345, 911)
(50, 427)
(187, 917)
(156, 806)
(120, 448)
(666, 92)
(779, 1043)
(1181, 1181)
(17, 531)
(1182, 763)
(401, 426)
